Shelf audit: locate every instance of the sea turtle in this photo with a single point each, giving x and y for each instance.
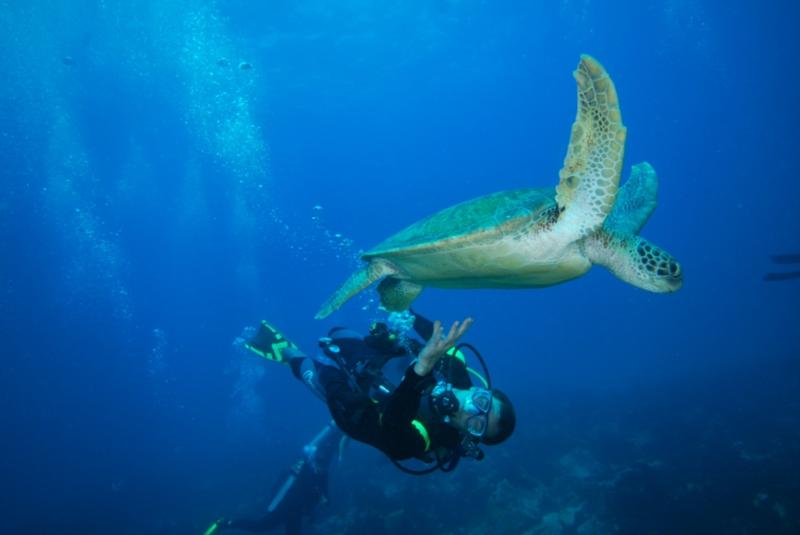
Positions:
(532, 238)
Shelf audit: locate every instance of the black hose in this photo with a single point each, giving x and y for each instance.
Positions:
(422, 472)
(480, 358)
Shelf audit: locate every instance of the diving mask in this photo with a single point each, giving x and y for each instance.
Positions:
(478, 405)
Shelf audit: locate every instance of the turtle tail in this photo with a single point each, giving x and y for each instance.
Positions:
(357, 282)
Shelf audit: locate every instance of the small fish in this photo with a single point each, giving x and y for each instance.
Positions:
(772, 277)
(784, 259)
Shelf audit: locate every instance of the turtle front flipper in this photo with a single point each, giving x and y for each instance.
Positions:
(358, 281)
(589, 179)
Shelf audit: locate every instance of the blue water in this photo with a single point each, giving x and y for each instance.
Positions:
(173, 171)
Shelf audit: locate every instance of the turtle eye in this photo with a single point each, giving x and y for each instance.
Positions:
(674, 269)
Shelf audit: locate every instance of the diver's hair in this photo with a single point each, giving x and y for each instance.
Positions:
(507, 421)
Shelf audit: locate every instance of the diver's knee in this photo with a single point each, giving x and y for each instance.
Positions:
(307, 371)
(296, 364)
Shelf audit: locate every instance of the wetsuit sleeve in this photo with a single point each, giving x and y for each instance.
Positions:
(399, 433)
(422, 325)
(283, 476)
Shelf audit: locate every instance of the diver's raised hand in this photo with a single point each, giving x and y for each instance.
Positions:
(438, 345)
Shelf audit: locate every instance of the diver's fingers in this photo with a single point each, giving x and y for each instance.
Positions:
(436, 336)
(457, 331)
(464, 327)
(437, 331)
(437, 327)
(452, 336)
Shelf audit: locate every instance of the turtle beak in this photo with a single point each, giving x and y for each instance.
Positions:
(675, 275)
(675, 283)
(670, 276)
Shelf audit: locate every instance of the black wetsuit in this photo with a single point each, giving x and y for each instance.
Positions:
(389, 426)
(296, 493)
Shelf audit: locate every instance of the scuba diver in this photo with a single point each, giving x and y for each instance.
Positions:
(297, 492)
(784, 259)
(435, 414)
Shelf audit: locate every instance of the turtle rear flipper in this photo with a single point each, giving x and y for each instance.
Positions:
(397, 294)
(358, 281)
(589, 179)
(636, 200)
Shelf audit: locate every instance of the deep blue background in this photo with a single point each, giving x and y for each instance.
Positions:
(158, 197)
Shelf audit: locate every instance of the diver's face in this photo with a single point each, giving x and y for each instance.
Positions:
(468, 417)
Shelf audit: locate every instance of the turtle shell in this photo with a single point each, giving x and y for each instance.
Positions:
(472, 222)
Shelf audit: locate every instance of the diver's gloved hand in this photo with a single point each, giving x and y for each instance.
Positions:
(271, 344)
(437, 345)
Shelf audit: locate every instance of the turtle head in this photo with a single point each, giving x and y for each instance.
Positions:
(656, 269)
(636, 261)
